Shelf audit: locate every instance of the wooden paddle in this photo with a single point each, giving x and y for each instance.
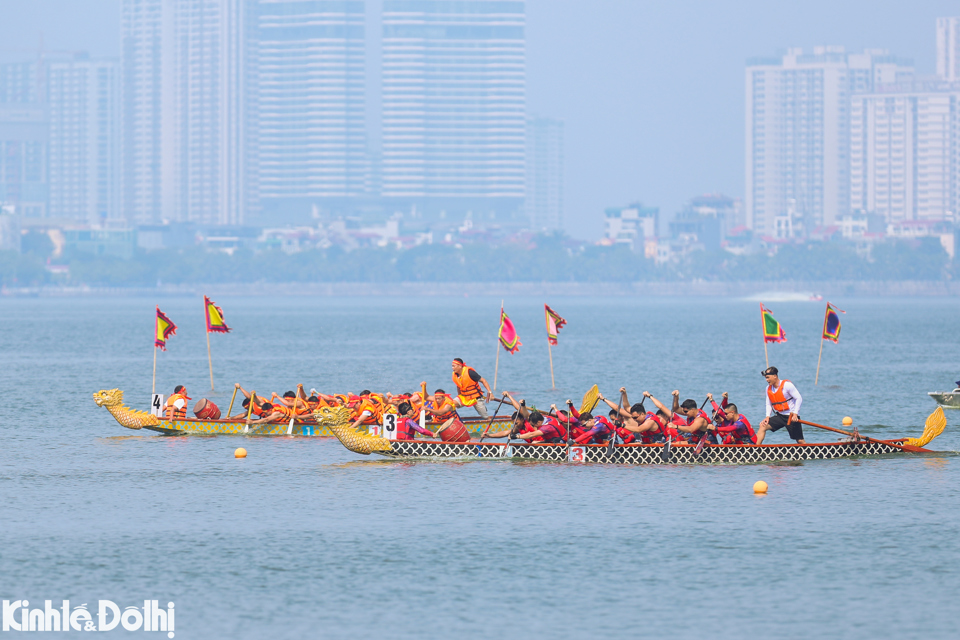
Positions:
(903, 447)
(293, 409)
(703, 439)
(614, 435)
(230, 409)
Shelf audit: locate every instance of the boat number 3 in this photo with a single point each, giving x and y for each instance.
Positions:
(156, 405)
(390, 426)
(578, 454)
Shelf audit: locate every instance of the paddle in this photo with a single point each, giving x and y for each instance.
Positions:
(904, 447)
(484, 434)
(703, 439)
(614, 435)
(293, 409)
(253, 397)
(230, 409)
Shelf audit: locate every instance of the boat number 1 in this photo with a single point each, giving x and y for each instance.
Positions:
(390, 426)
(156, 405)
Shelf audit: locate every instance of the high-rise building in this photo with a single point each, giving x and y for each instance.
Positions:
(23, 139)
(905, 151)
(454, 105)
(84, 155)
(312, 133)
(187, 109)
(544, 189)
(948, 48)
(797, 133)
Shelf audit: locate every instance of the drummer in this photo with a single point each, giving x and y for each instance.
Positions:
(177, 403)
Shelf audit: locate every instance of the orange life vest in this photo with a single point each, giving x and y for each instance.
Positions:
(182, 411)
(777, 399)
(442, 417)
(468, 390)
(369, 404)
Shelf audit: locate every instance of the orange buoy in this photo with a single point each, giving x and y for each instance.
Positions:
(240, 453)
(759, 486)
(847, 421)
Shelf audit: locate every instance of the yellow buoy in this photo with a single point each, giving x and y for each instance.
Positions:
(759, 486)
(847, 421)
(240, 453)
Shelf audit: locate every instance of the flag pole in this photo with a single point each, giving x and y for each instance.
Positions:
(817, 379)
(763, 332)
(210, 361)
(496, 368)
(553, 383)
(154, 387)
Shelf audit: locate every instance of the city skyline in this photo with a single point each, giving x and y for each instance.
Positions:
(681, 169)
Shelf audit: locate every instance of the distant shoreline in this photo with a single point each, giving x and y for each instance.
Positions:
(786, 290)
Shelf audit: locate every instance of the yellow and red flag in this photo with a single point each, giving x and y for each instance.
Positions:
(554, 324)
(215, 322)
(165, 329)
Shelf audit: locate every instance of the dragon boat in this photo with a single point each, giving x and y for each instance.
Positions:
(338, 421)
(135, 419)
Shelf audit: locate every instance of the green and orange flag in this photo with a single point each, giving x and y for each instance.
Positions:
(215, 321)
(165, 329)
(772, 331)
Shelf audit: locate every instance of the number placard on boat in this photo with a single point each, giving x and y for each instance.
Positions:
(390, 426)
(577, 454)
(156, 405)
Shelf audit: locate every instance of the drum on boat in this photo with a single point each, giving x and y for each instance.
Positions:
(206, 410)
(456, 432)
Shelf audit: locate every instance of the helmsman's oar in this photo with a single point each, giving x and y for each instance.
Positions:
(904, 447)
(487, 429)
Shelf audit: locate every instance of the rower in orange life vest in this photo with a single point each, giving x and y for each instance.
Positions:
(469, 393)
(733, 427)
(687, 422)
(369, 410)
(783, 407)
(177, 403)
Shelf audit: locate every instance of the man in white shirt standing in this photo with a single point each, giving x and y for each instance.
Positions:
(783, 407)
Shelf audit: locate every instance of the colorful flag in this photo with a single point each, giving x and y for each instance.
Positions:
(831, 323)
(508, 335)
(772, 331)
(165, 329)
(554, 324)
(215, 320)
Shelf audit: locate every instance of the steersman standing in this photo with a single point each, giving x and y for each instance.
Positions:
(783, 407)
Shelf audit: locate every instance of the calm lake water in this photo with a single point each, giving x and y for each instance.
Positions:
(305, 539)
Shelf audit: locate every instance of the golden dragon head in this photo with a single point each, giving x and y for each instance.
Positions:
(108, 398)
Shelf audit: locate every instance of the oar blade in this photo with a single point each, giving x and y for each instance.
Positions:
(590, 399)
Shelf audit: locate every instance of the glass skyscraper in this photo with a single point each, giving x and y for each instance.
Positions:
(454, 105)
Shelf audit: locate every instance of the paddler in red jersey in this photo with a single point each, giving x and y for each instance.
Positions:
(469, 393)
(407, 425)
(783, 407)
(686, 422)
(732, 426)
(177, 403)
(638, 421)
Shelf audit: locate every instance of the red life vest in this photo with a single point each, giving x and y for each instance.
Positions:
(556, 424)
(694, 438)
(655, 435)
(404, 430)
(738, 436)
(777, 400)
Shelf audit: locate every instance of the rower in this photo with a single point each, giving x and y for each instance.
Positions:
(368, 410)
(783, 407)
(733, 427)
(543, 429)
(685, 420)
(407, 425)
(519, 421)
(469, 393)
(177, 403)
(269, 413)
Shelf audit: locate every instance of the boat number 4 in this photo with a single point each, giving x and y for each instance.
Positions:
(156, 405)
(578, 454)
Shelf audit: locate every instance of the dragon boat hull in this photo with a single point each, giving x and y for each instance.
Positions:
(200, 427)
(639, 454)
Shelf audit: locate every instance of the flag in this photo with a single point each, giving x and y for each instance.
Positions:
(508, 335)
(165, 329)
(831, 323)
(554, 324)
(772, 331)
(215, 320)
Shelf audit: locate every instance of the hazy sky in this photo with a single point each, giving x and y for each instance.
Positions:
(651, 91)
